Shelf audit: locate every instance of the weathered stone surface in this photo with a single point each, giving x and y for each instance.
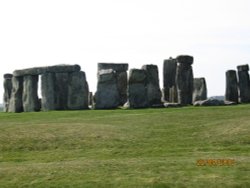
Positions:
(243, 68)
(186, 59)
(137, 90)
(8, 76)
(107, 95)
(153, 88)
(244, 83)
(120, 70)
(209, 102)
(118, 67)
(78, 91)
(48, 91)
(231, 86)
(30, 97)
(200, 89)
(61, 91)
(16, 103)
(122, 85)
(7, 84)
(184, 79)
(169, 80)
(50, 69)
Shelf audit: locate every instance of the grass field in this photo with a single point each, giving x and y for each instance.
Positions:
(126, 148)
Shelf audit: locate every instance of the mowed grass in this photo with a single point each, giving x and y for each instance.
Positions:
(126, 148)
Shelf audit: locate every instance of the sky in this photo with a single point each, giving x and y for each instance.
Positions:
(49, 32)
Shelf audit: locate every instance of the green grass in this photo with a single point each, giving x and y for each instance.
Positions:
(125, 148)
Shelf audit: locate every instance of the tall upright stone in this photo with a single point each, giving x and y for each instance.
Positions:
(30, 97)
(137, 89)
(61, 91)
(7, 84)
(48, 91)
(107, 94)
(78, 91)
(16, 102)
(169, 80)
(153, 88)
(231, 86)
(244, 83)
(199, 90)
(184, 79)
(120, 70)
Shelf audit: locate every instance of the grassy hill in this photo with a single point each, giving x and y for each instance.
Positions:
(126, 148)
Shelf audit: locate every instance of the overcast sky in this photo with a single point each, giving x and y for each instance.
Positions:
(85, 32)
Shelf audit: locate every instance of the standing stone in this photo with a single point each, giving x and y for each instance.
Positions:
(169, 80)
(184, 79)
(153, 88)
(120, 70)
(137, 89)
(61, 91)
(7, 91)
(48, 91)
(231, 86)
(30, 97)
(244, 83)
(16, 103)
(78, 91)
(200, 89)
(107, 94)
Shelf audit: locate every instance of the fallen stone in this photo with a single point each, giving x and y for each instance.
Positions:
(209, 102)
(230, 103)
(172, 105)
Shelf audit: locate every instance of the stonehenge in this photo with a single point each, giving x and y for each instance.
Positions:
(244, 83)
(184, 79)
(63, 87)
(231, 86)
(199, 90)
